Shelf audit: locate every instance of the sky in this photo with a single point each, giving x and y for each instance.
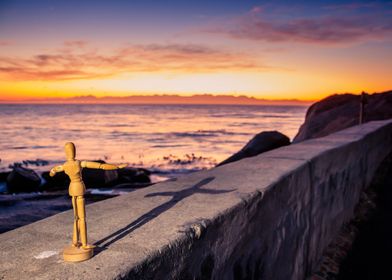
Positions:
(265, 49)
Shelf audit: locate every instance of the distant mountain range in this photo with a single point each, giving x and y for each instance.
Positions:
(163, 99)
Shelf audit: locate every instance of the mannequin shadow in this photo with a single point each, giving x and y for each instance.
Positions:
(105, 242)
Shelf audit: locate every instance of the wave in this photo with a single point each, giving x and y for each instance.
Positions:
(171, 165)
(120, 125)
(276, 116)
(168, 146)
(203, 133)
(31, 147)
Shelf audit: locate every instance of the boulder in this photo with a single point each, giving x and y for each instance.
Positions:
(23, 180)
(3, 176)
(341, 111)
(134, 175)
(58, 182)
(262, 142)
(98, 178)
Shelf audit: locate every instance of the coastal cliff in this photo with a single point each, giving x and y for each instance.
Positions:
(341, 111)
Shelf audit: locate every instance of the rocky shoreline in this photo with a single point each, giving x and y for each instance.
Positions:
(24, 180)
(29, 196)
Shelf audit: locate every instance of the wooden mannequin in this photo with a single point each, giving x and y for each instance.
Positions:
(80, 250)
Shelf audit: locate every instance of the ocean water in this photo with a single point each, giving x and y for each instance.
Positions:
(167, 139)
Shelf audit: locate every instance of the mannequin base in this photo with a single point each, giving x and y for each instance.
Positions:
(75, 254)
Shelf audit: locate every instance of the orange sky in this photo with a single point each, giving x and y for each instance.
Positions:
(262, 51)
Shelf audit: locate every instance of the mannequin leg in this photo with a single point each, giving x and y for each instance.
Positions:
(75, 237)
(79, 250)
(82, 220)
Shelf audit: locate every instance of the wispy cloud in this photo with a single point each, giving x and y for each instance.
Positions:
(5, 43)
(76, 43)
(352, 6)
(333, 27)
(76, 61)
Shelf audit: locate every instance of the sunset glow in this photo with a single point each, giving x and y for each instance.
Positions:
(262, 49)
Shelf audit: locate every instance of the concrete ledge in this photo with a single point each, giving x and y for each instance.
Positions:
(266, 217)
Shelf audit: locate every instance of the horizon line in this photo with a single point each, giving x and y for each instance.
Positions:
(155, 99)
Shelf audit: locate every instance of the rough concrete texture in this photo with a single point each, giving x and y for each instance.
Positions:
(266, 217)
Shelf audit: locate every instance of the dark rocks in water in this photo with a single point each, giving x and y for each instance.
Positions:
(92, 178)
(3, 176)
(58, 182)
(23, 180)
(27, 163)
(134, 175)
(98, 178)
(341, 111)
(262, 142)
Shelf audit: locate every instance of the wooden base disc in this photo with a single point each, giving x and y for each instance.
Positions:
(75, 254)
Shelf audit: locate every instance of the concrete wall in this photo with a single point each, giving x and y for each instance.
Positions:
(266, 217)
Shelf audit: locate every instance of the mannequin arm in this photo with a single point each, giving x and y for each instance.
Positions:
(55, 170)
(104, 166)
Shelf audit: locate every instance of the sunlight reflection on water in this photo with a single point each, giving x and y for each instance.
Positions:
(163, 137)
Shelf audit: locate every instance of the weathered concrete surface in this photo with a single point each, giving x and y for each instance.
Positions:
(266, 217)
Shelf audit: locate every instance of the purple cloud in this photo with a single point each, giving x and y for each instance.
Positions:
(5, 43)
(72, 62)
(335, 28)
(76, 43)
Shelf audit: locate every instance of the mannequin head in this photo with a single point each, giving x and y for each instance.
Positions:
(70, 151)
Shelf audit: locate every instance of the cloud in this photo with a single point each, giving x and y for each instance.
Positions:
(352, 6)
(76, 43)
(332, 28)
(256, 10)
(5, 43)
(73, 62)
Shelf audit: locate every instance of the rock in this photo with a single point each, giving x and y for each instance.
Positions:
(3, 176)
(92, 178)
(262, 142)
(23, 180)
(341, 111)
(134, 175)
(58, 182)
(98, 178)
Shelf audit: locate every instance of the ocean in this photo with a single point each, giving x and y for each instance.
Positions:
(167, 139)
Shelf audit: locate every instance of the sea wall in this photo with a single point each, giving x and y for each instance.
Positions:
(265, 217)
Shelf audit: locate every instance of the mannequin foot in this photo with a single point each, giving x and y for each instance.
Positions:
(88, 246)
(77, 254)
